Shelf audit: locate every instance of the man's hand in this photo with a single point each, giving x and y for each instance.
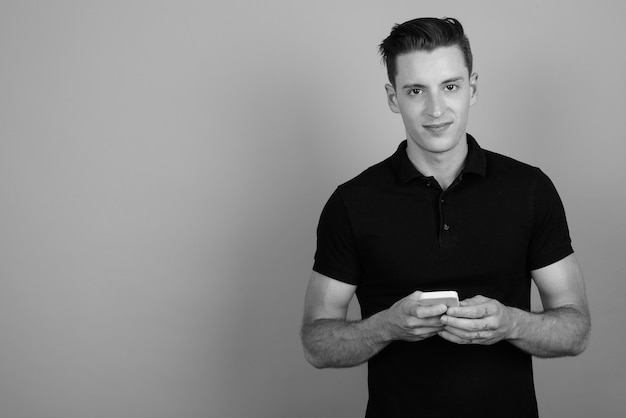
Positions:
(330, 340)
(409, 321)
(478, 320)
(561, 329)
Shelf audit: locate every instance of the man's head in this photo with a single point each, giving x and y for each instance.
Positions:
(423, 34)
(432, 86)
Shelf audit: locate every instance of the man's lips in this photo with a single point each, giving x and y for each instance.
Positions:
(437, 125)
(437, 128)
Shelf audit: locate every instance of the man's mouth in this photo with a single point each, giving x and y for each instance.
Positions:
(437, 127)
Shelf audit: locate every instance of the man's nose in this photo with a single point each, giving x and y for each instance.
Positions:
(436, 105)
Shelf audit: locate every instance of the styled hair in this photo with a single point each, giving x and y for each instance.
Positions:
(423, 34)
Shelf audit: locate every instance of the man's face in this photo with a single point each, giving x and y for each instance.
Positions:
(433, 94)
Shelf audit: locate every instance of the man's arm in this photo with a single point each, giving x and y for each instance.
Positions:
(329, 340)
(561, 329)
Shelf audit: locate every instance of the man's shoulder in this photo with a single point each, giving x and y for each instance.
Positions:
(503, 165)
(376, 177)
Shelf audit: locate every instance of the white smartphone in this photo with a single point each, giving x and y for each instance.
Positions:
(448, 298)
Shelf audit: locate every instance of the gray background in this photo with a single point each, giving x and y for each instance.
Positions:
(163, 166)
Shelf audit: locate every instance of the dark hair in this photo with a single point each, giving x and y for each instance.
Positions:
(423, 34)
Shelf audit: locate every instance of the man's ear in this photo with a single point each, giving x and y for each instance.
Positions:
(473, 82)
(392, 98)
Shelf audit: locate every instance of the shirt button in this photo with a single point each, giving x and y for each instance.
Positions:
(427, 184)
(446, 227)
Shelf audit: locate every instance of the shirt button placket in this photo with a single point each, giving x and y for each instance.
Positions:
(442, 212)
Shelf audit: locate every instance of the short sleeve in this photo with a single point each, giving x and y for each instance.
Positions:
(336, 255)
(550, 241)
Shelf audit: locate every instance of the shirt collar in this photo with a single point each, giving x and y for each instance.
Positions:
(475, 162)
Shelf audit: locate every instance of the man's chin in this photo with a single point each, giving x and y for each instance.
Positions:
(437, 145)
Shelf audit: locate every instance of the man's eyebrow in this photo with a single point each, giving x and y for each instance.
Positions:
(421, 86)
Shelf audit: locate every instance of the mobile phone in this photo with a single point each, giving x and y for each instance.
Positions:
(447, 297)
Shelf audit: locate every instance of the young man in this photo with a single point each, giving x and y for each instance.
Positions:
(443, 214)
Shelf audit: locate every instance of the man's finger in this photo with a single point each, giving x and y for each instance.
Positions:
(476, 300)
(467, 325)
(472, 312)
(430, 311)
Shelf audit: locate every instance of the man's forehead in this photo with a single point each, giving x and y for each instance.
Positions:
(440, 64)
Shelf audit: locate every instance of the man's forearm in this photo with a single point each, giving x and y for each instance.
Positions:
(558, 332)
(341, 343)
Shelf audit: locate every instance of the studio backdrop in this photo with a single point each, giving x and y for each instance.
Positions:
(163, 165)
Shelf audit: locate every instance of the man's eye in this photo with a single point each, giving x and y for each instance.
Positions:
(415, 92)
(451, 87)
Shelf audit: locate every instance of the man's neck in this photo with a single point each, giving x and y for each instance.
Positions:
(444, 167)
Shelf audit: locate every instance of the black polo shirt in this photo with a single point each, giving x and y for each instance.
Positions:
(392, 231)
